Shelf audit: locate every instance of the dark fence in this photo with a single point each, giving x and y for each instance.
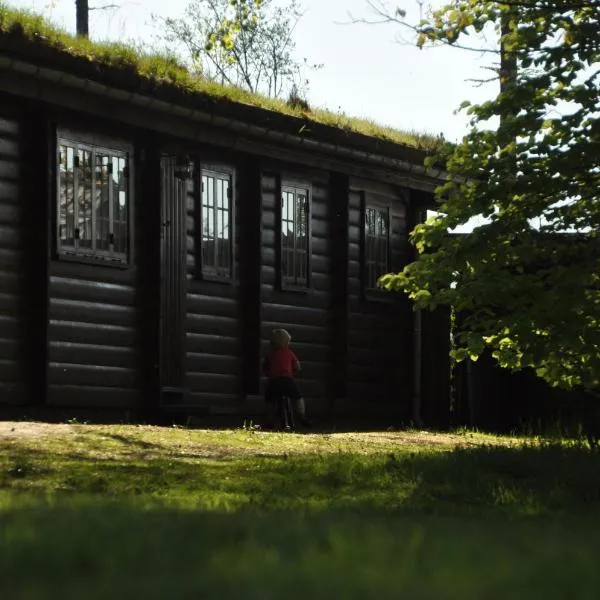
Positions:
(490, 398)
(484, 396)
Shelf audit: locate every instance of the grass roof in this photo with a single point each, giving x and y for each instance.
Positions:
(168, 71)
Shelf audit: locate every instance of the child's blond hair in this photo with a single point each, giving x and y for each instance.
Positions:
(280, 338)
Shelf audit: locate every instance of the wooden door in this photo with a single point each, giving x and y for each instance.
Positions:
(173, 283)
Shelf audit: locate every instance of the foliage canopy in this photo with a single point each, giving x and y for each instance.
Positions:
(525, 283)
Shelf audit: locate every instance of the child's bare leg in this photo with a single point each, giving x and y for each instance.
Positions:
(284, 408)
(301, 410)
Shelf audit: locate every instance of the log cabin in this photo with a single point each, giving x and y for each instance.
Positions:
(154, 228)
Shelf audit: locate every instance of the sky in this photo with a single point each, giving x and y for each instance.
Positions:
(366, 72)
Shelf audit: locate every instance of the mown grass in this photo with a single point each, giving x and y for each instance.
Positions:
(148, 512)
(164, 70)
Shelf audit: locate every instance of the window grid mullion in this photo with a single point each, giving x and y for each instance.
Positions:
(307, 245)
(230, 232)
(215, 182)
(75, 196)
(59, 211)
(110, 174)
(93, 169)
(295, 236)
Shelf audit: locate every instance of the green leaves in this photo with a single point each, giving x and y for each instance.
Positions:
(524, 283)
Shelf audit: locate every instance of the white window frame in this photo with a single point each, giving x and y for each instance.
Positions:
(367, 260)
(286, 281)
(216, 173)
(115, 150)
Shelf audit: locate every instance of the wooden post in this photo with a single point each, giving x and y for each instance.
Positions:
(38, 177)
(250, 275)
(148, 228)
(339, 198)
(82, 17)
(508, 59)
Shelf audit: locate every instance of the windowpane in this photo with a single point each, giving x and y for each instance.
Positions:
(290, 211)
(211, 191)
(226, 194)
(284, 209)
(219, 186)
(102, 200)
(66, 200)
(84, 198)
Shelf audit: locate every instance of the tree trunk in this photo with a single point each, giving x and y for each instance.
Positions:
(508, 59)
(508, 81)
(82, 16)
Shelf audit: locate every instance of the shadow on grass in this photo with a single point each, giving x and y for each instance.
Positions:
(97, 549)
(427, 525)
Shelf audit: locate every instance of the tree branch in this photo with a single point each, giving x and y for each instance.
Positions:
(104, 7)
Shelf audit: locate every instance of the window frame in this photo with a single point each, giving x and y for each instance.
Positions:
(95, 144)
(220, 171)
(293, 185)
(366, 204)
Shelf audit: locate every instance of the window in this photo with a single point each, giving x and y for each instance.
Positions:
(217, 224)
(295, 235)
(376, 244)
(92, 201)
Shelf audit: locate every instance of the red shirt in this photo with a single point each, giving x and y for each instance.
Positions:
(281, 363)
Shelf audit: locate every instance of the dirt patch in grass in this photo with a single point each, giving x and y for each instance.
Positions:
(22, 429)
(418, 438)
(207, 443)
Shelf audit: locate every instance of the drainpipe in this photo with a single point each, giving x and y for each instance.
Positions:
(471, 393)
(418, 363)
(418, 215)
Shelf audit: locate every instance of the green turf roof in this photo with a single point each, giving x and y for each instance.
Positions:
(168, 71)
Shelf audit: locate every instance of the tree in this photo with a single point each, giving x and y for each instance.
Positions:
(526, 283)
(244, 43)
(82, 17)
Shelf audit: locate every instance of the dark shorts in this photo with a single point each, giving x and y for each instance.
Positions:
(280, 387)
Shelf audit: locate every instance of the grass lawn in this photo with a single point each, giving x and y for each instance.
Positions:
(133, 512)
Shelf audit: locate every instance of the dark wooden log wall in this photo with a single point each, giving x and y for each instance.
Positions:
(92, 336)
(305, 314)
(379, 368)
(13, 375)
(213, 323)
(97, 326)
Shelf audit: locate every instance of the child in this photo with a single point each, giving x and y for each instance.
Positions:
(280, 367)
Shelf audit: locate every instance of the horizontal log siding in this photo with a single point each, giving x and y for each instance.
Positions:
(307, 316)
(13, 389)
(380, 330)
(213, 326)
(93, 336)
